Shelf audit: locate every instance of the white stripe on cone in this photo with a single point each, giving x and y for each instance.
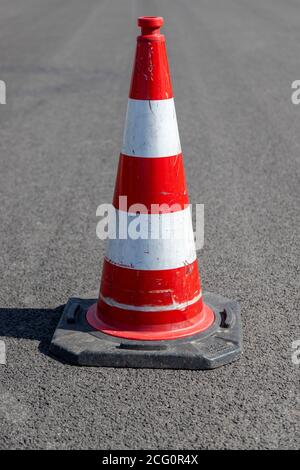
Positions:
(152, 241)
(151, 129)
(150, 308)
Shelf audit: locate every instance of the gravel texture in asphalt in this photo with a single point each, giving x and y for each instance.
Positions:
(67, 68)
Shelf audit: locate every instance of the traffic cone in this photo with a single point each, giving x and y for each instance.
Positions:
(150, 311)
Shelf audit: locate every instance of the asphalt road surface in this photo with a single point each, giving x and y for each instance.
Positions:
(67, 68)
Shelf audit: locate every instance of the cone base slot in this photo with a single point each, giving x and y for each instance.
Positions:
(76, 342)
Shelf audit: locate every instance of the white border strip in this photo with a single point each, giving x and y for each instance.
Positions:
(150, 308)
(165, 241)
(151, 129)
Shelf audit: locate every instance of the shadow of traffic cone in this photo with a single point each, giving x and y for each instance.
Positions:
(150, 311)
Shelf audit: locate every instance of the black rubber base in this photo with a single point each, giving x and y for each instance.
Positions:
(76, 342)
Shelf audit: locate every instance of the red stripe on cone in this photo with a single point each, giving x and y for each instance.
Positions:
(152, 181)
(124, 289)
(152, 326)
(141, 287)
(151, 76)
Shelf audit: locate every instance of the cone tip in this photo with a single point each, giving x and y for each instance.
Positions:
(150, 24)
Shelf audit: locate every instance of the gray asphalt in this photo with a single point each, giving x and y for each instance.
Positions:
(67, 67)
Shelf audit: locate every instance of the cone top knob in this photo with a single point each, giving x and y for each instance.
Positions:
(150, 25)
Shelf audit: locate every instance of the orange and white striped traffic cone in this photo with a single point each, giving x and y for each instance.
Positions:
(151, 311)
